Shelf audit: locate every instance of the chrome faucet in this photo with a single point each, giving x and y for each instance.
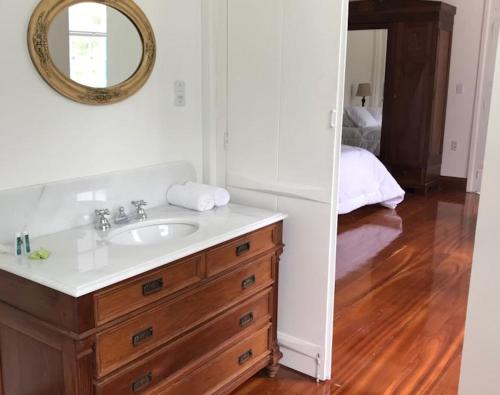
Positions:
(101, 222)
(140, 213)
(121, 217)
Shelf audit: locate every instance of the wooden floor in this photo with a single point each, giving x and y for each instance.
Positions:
(400, 303)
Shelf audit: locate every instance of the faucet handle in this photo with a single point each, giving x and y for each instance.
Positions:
(139, 210)
(101, 222)
(139, 203)
(102, 213)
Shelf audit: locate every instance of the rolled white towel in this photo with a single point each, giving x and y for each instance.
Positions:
(180, 195)
(221, 195)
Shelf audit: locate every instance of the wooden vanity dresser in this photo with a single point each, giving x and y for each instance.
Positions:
(200, 325)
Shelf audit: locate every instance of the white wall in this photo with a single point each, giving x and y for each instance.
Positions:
(365, 62)
(45, 137)
(359, 63)
(464, 70)
(481, 355)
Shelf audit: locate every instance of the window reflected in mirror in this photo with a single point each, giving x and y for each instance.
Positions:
(95, 45)
(88, 40)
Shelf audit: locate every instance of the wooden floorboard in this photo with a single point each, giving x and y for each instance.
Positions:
(400, 303)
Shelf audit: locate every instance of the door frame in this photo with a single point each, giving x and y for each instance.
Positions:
(482, 108)
(214, 90)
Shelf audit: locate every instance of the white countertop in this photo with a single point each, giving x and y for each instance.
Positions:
(81, 263)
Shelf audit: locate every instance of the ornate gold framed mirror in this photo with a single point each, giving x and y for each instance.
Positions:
(92, 51)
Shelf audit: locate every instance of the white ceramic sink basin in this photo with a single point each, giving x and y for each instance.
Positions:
(151, 232)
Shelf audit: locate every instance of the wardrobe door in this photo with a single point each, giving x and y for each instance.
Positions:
(440, 100)
(411, 86)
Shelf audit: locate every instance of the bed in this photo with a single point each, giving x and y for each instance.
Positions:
(364, 180)
(367, 138)
(362, 127)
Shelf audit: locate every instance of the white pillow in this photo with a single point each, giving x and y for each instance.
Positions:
(376, 113)
(347, 121)
(361, 117)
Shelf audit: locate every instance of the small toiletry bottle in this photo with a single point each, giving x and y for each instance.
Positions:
(18, 247)
(27, 243)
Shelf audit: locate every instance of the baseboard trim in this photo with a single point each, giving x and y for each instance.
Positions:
(453, 183)
(301, 355)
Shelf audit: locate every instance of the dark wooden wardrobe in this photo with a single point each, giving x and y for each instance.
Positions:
(416, 88)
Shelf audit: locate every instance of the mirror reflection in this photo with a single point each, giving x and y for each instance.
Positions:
(364, 89)
(95, 45)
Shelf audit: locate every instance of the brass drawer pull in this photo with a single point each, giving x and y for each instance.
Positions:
(142, 383)
(245, 357)
(152, 287)
(248, 282)
(141, 336)
(246, 320)
(240, 250)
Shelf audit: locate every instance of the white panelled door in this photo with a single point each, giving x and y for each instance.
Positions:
(285, 75)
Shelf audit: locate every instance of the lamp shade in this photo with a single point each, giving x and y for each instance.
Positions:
(364, 89)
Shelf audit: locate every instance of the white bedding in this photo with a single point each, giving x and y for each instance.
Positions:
(362, 127)
(367, 138)
(364, 180)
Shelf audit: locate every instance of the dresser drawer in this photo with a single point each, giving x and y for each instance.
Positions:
(249, 316)
(131, 295)
(222, 369)
(236, 251)
(125, 342)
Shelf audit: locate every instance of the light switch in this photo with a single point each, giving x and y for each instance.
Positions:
(180, 93)
(180, 85)
(460, 89)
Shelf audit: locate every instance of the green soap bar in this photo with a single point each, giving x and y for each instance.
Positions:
(34, 256)
(41, 254)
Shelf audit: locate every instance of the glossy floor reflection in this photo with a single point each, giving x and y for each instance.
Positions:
(400, 301)
(360, 244)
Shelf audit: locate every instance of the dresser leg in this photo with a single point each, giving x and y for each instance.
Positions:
(274, 366)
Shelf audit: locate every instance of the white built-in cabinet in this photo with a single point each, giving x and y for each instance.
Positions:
(280, 79)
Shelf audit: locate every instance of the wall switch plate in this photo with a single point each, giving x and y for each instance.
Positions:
(454, 145)
(180, 85)
(180, 93)
(460, 89)
(180, 100)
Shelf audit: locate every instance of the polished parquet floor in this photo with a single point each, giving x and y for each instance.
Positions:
(400, 303)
